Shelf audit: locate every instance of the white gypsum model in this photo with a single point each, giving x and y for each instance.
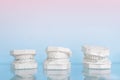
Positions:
(24, 74)
(58, 58)
(96, 57)
(24, 59)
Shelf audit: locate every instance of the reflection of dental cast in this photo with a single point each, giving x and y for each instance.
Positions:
(57, 74)
(58, 58)
(96, 74)
(24, 74)
(24, 59)
(96, 57)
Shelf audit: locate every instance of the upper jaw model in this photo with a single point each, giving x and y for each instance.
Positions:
(96, 57)
(58, 58)
(24, 59)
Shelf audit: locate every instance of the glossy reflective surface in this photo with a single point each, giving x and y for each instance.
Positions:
(77, 72)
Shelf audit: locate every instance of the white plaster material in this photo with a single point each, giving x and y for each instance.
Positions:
(96, 57)
(57, 74)
(58, 58)
(24, 74)
(24, 59)
(96, 74)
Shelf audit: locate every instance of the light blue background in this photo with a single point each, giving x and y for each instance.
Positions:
(32, 30)
(68, 31)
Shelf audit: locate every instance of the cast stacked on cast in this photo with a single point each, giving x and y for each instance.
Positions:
(96, 57)
(24, 59)
(58, 58)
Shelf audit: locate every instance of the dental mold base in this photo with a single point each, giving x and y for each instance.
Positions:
(24, 59)
(96, 57)
(58, 58)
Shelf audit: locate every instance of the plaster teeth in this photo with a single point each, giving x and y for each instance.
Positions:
(24, 59)
(96, 56)
(58, 58)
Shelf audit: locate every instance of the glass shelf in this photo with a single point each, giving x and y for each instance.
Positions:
(77, 72)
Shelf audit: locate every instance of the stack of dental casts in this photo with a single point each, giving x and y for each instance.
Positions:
(24, 59)
(96, 57)
(24, 74)
(57, 74)
(58, 58)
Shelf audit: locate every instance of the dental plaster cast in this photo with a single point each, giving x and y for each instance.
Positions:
(58, 58)
(57, 74)
(24, 74)
(96, 57)
(24, 59)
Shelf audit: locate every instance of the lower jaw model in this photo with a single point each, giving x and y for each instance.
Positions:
(96, 57)
(97, 63)
(57, 64)
(24, 59)
(58, 58)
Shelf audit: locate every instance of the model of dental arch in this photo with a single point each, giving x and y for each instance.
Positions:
(58, 58)
(24, 59)
(96, 57)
